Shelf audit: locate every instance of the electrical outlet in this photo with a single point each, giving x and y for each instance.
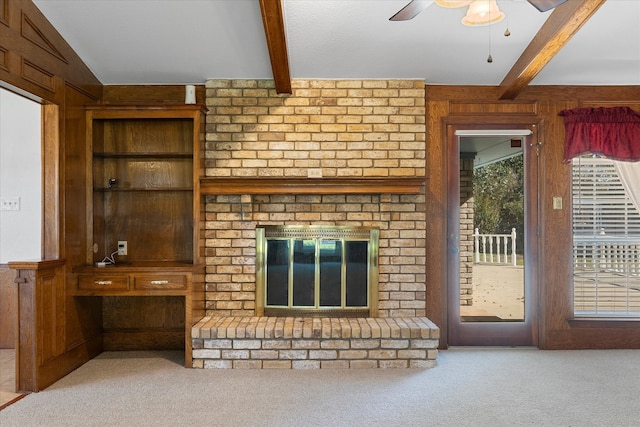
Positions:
(122, 247)
(314, 173)
(10, 204)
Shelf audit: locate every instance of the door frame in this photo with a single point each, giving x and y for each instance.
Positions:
(507, 333)
(438, 192)
(31, 374)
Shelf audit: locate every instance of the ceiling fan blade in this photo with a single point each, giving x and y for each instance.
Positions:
(544, 5)
(411, 10)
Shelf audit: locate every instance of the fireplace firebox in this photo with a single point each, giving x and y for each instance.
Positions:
(329, 271)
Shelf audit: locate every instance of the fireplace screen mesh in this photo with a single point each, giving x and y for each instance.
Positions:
(323, 270)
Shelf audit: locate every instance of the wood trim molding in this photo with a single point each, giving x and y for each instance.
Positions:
(30, 31)
(4, 12)
(4, 59)
(116, 111)
(260, 185)
(37, 75)
(273, 22)
(554, 34)
(37, 264)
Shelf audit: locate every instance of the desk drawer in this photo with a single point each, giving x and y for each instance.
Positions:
(160, 282)
(106, 283)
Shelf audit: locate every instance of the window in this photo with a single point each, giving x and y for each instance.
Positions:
(606, 242)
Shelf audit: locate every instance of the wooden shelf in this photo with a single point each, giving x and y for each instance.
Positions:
(131, 189)
(262, 185)
(132, 155)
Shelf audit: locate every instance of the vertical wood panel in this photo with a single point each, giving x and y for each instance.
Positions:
(40, 288)
(83, 319)
(436, 209)
(556, 294)
(51, 181)
(26, 361)
(46, 319)
(8, 309)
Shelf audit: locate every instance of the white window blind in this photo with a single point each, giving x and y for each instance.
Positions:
(606, 242)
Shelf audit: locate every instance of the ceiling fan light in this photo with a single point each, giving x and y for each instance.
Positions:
(453, 3)
(483, 12)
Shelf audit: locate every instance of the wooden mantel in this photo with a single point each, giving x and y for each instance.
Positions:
(293, 185)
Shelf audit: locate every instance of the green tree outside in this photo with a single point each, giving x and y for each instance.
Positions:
(498, 191)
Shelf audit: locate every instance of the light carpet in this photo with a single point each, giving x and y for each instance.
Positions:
(470, 387)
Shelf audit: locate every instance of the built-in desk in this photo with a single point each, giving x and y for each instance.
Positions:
(151, 279)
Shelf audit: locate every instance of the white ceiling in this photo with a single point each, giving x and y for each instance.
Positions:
(190, 41)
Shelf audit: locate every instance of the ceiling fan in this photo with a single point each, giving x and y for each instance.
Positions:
(414, 7)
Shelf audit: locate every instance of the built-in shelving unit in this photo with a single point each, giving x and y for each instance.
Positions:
(143, 187)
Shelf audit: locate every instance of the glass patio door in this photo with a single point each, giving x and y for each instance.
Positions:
(491, 236)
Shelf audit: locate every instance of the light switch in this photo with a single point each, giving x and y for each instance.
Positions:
(557, 203)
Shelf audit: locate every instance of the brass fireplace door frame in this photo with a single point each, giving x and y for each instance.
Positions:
(317, 232)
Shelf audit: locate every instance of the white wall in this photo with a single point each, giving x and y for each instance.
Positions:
(20, 176)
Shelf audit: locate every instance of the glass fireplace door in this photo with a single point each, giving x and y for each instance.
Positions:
(311, 272)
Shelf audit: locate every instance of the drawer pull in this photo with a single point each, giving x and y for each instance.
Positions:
(159, 282)
(103, 282)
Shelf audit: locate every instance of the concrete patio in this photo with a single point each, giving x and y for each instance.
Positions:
(498, 290)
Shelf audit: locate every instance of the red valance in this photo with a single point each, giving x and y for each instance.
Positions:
(612, 132)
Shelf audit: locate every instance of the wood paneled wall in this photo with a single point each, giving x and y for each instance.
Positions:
(36, 62)
(476, 105)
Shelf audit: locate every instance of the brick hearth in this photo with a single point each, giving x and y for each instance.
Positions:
(314, 343)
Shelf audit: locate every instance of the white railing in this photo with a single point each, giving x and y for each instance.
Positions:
(486, 244)
(619, 255)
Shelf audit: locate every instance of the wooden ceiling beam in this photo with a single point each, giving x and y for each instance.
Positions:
(273, 22)
(554, 34)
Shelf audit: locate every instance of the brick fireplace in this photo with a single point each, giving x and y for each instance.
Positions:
(338, 130)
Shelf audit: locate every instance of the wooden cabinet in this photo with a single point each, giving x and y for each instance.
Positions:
(145, 165)
(139, 279)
